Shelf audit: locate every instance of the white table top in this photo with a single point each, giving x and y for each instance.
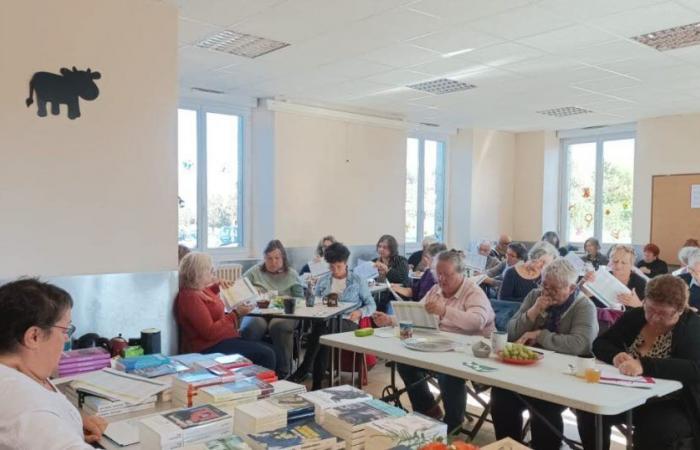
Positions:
(319, 311)
(545, 380)
(380, 287)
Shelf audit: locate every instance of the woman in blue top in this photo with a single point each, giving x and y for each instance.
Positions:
(350, 288)
(520, 279)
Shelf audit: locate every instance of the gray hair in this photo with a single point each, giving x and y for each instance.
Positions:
(561, 270)
(435, 248)
(624, 248)
(193, 267)
(486, 242)
(540, 249)
(456, 257)
(693, 257)
(428, 240)
(684, 253)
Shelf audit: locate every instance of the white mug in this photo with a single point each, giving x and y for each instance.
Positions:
(499, 339)
(584, 363)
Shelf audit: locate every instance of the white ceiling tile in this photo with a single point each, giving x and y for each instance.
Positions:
(565, 39)
(222, 12)
(401, 55)
(692, 4)
(400, 77)
(502, 54)
(611, 51)
(608, 84)
(195, 59)
(647, 19)
(191, 31)
(354, 68)
(588, 9)
(521, 22)
(446, 67)
(456, 11)
(454, 39)
(687, 54)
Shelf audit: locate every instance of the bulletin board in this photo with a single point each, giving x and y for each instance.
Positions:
(673, 220)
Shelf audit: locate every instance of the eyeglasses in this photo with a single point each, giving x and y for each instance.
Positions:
(660, 313)
(68, 331)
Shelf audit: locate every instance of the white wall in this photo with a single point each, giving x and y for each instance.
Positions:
(97, 194)
(665, 145)
(460, 149)
(339, 177)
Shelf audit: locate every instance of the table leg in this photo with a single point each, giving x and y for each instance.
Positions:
(352, 380)
(628, 430)
(598, 432)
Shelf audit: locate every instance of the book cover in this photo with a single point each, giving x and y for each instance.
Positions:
(192, 417)
(234, 389)
(408, 432)
(141, 362)
(84, 354)
(229, 443)
(336, 396)
(293, 404)
(189, 359)
(360, 413)
(255, 371)
(302, 434)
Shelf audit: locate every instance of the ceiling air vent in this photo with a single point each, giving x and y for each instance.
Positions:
(441, 86)
(241, 44)
(671, 38)
(208, 91)
(564, 111)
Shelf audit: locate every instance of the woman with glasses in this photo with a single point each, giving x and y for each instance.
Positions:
(205, 327)
(593, 255)
(524, 276)
(392, 267)
(661, 339)
(35, 323)
(621, 263)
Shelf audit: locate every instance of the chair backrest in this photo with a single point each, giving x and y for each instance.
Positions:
(607, 318)
(230, 272)
(504, 310)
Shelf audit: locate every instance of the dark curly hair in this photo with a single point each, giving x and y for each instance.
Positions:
(335, 253)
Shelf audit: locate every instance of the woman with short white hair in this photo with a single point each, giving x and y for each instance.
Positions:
(557, 317)
(692, 277)
(622, 258)
(520, 279)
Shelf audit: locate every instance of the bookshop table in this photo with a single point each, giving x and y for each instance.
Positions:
(547, 380)
(161, 407)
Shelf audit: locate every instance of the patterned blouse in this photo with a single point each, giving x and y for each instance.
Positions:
(660, 349)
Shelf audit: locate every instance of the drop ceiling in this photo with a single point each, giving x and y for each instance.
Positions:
(523, 56)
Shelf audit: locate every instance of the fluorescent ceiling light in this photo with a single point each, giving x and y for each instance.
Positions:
(457, 52)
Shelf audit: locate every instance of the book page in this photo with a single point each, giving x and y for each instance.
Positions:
(116, 385)
(241, 291)
(318, 268)
(416, 313)
(606, 287)
(366, 269)
(475, 261)
(577, 262)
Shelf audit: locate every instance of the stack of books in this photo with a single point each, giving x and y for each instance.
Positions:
(295, 406)
(227, 443)
(187, 426)
(255, 371)
(97, 406)
(222, 365)
(411, 431)
(284, 387)
(349, 421)
(257, 417)
(332, 397)
(228, 395)
(186, 385)
(83, 360)
(302, 436)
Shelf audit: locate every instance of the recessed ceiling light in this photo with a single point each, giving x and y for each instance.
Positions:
(441, 86)
(672, 38)
(241, 44)
(457, 52)
(564, 111)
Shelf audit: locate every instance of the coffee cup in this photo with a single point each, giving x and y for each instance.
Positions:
(583, 363)
(499, 339)
(331, 299)
(405, 330)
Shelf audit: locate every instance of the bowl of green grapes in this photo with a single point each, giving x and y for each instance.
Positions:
(519, 354)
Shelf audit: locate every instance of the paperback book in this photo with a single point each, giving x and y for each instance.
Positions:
(411, 431)
(307, 435)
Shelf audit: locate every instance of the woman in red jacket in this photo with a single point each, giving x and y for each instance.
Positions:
(204, 324)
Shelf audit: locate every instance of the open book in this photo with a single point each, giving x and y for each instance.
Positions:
(415, 312)
(242, 291)
(606, 287)
(475, 261)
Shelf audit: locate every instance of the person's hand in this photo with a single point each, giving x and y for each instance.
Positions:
(435, 306)
(225, 284)
(355, 316)
(630, 300)
(631, 368)
(382, 319)
(381, 268)
(589, 276)
(620, 358)
(645, 270)
(543, 303)
(93, 427)
(529, 337)
(243, 309)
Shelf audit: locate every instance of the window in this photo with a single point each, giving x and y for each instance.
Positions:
(599, 177)
(210, 179)
(425, 181)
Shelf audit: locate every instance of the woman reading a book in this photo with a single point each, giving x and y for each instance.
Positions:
(392, 267)
(205, 327)
(35, 323)
(349, 288)
(661, 339)
(274, 274)
(621, 262)
(427, 280)
(461, 307)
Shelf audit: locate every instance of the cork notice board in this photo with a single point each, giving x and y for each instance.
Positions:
(672, 218)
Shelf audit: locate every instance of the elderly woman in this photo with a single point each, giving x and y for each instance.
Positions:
(462, 307)
(621, 262)
(515, 253)
(651, 265)
(416, 259)
(427, 280)
(520, 279)
(392, 267)
(274, 274)
(593, 255)
(692, 278)
(205, 327)
(349, 288)
(318, 254)
(662, 340)
(554, 317)
(486, 249)
(35, 323)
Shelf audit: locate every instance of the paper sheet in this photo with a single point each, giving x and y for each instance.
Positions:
(116, 385)
(577, 262)
(611, 375)
(124, 432)
(366, 269)
(606, 287)
(416, 313)
(475, 261)
(318, 268)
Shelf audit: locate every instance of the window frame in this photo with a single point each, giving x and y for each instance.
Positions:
(201, 109)
(441, 180)
(599, 139)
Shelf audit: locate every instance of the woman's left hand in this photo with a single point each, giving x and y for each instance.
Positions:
(355, 316)
(93, 427)
(225, 284)
(528, 337)
(631, 368)
(435, 306)
(630, 300)
(381, 268)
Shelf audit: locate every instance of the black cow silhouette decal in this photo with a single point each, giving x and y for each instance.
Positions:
(65, 88)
